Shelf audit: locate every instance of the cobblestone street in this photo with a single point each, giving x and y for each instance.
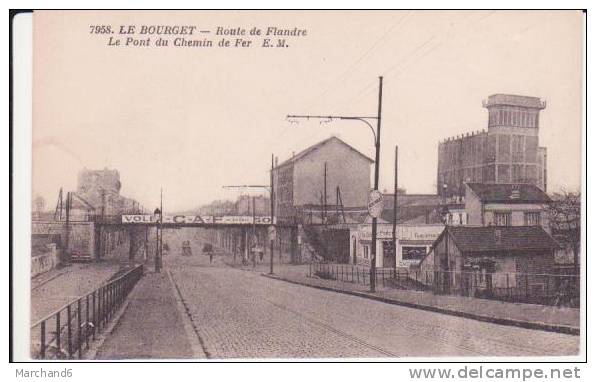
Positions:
(242, 314)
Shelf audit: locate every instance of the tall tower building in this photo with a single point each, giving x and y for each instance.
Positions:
(508, 152)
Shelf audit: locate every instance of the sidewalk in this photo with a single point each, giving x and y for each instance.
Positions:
(151, 326)
(531, 316)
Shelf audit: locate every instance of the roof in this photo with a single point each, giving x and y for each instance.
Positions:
(317, 146)
(505, 193)
(514, 100)
(411, 200)
(490, 239)
(413, 214)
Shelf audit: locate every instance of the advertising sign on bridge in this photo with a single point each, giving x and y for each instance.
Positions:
(198, 219)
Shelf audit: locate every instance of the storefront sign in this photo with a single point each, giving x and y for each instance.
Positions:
(197, 219)
(423, 232)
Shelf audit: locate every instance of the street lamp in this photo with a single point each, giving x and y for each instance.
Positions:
(377, 138)
(157, 218)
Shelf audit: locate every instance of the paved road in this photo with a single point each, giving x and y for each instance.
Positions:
(242, 314)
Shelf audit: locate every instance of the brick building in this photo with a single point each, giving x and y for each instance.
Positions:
(299, 182)
(508, 152)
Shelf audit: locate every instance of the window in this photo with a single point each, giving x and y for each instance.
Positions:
(413, 253)
(524, 119)
(532, 218)
(502, 219)
(366, 251)
(518, 148)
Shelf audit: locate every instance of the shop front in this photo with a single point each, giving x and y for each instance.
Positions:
(412, 243)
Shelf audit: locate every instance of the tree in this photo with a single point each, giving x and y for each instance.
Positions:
(565, 221)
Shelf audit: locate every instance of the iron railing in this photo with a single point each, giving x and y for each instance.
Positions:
(67, 332)
(355, 273)
(545, 289)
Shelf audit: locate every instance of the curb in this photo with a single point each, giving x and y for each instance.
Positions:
(564, 329)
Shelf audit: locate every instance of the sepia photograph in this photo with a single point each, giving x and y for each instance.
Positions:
(303, 185)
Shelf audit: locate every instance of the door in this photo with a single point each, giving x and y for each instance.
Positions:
(388, 255)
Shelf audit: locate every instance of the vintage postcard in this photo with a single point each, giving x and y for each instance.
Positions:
(306, 185)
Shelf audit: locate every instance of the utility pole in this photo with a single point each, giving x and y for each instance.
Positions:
(67, 229)
(102, 244)
(377, 137)
(325, 194)
(272, 216)
(393, 236)
(254, 235)
(373, 267)
(161, 229)
(59, 206)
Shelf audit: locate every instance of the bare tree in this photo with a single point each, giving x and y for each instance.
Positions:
(565, 221)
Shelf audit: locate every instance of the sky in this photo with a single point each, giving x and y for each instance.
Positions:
(192, 120)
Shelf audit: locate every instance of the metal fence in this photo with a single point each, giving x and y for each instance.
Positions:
(355, 274)
(545, 289)
(66, 333)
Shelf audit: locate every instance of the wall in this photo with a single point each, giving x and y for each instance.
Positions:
(46, 261)
(81, 235)
(284, 191)
(345, 168)
(517, 213)
(473, 208)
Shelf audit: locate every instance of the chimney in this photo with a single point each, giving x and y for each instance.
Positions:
(293, 153)
(276, 161)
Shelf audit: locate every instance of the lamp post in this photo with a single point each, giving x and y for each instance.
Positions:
(377, 137)
(157, 218)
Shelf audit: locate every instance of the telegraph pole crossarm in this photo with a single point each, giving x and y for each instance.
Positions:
(341, 117)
